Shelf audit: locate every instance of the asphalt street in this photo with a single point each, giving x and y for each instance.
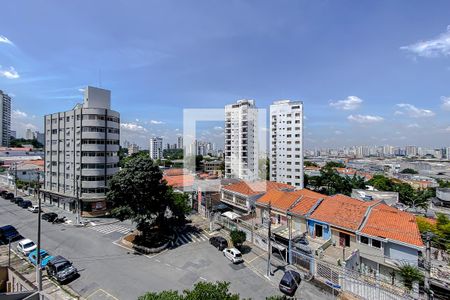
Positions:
(110, 271)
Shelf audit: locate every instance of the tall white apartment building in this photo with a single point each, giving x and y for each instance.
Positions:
(81, 147)
(286, 142)
(5, 122)
(180, 142)
(156, 148)
(411, 151)
(241, 145)
(447, 152)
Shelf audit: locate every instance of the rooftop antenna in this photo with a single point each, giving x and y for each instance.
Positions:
(99, 77)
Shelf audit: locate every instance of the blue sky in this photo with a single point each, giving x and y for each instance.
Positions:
(369, 72)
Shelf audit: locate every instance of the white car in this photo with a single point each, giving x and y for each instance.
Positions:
(233, 254)
(34, 208)
(26, 246)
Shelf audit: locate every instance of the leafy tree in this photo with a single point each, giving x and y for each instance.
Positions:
(180, 208)
(410, 274)
(173, 154)
(409, 171)
(198, 162)
(238, 237)
(334, 164)
(20, 142)
(201, 291)
(381, 183)
(308, 163)
(443, 183)
(137, 192)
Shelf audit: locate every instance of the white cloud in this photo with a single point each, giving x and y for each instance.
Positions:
(363, 119)
(351, 103)
(447, 129)
(413, 125)
(5, 40)
(414, 112)
(133, 127)
(10, 74)
(81, 90)
(337, 132)
(17, 114)
(156, 122)
(218, 128)
(445, 103)
(439, 46)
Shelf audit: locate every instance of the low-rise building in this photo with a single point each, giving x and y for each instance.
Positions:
(390, 198)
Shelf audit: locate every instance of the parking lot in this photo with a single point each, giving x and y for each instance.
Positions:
(110, 271)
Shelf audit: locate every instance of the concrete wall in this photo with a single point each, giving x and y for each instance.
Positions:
(325, 229)
(401, 253)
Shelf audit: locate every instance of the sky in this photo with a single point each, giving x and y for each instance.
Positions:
(368, 72)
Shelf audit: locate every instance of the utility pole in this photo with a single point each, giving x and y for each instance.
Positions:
(9, 252)
(38, 264)
(15, 177)
(428, 237)
(269, 240)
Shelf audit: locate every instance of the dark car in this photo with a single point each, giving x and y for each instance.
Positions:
(8, 233)
(50, 217)
(26, 204)
(218, 242)
(61, 269)
(3, 193)
(221, 208)
(18, 201)
(9, 196)
(290, 282)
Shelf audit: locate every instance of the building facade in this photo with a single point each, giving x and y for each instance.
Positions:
(156, 148)
(5, 113)
(286, 142)
(81, 147)
(241, 145)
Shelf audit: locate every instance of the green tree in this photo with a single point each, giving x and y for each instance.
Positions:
(409, 171)
(238, 237)
(381, 183)
(308, 163)
(198, 162)
(334, 164)
(181, 207)
(201, 291)
(410, 274)
(137, 192)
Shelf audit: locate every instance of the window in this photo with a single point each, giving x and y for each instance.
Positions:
(376, 243)
(364, 240)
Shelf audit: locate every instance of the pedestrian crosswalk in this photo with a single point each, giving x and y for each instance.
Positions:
(107, 229)
(190, 237)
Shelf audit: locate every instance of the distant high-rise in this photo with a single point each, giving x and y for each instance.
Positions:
(286, 142)
(40, 137)
(81, 147)
(29, 134)
(5, 122)
(241, 147)
(411, 151)
(156, 148)
(180, 142)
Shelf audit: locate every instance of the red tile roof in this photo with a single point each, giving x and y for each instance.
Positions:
(178, 181)
(175, 172)
(255, 188)
(388, 222)
(283, 200)
(342, 211)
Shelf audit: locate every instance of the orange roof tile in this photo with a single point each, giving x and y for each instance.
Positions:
(282, 200)
(342, 211)
(174, 172)
(179, 180)
(255, 188)
(38, 162)
(388, 222)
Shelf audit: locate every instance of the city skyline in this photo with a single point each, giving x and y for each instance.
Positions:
(391, 87)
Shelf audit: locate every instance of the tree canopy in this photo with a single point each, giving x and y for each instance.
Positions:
(440, 230)
(201, 291)
(409, 171)
(238, 237)
(138, 193)
(330, 182)
(308, 163)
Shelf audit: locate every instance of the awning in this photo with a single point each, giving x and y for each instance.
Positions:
(231, 215)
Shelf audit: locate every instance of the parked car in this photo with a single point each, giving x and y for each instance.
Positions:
(219, 242)
(26, 204)
(3, 193)
(290, 282)
(301, 243)
(45, 257)
(50, 217)
(9, 196)
(18, 201)
(34, 208)
(25, 246)
(233, 254)
(7, 233)
(61, 269)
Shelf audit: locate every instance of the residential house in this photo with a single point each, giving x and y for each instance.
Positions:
(242, 196)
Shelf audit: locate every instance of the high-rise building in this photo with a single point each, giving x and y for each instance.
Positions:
(40, 137)
(286, 142)
(5, 122)
(156, 148)
(132, 149)
(29, 134)
(411, 151)
(81, 147)
(241, 147)
(180, 142)
(13, 134)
